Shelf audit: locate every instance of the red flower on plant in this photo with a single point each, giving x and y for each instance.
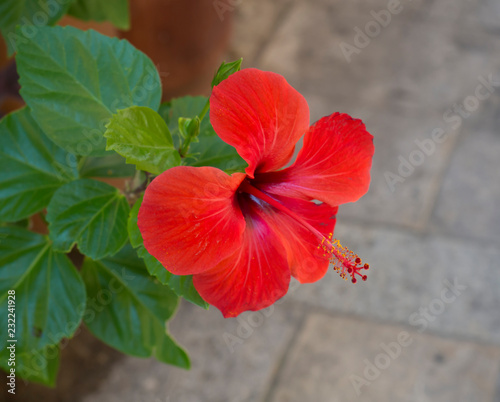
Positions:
(243, 236)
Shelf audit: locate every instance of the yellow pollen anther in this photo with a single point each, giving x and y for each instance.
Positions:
(344, 261)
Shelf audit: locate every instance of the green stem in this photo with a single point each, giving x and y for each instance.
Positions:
(192, 132)
(41, 214)
(81, 162)
(204, 110)
(183, 150)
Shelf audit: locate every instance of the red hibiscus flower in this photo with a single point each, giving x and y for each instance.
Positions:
(243, 236)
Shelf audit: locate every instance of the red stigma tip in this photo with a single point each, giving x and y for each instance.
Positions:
(344, 261)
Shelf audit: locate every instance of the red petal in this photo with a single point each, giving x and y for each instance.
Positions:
(190, 219)
(261, 115)
(333, 166)
(255, 276)
(307, 262)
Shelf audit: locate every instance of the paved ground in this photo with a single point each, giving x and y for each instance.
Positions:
(426, 325)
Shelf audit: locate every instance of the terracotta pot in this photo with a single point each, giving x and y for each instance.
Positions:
(186, 39)
(106, 28)
(3, 53)
(9, 98)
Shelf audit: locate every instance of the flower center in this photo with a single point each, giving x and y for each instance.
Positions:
(344, 261)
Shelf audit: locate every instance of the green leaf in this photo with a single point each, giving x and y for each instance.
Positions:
(23, 223)
(133, 230)
(225, 70)
(29, 15)
(142, 137)
(134, 310)
(80, 79)
(115, 11)
(182, 285)
(49, 293)
(39, 366)
(209, 150)
(113, 165)
(91, 214)
(32, 167)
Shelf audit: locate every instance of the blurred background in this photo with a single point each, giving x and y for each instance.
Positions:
(424, 76)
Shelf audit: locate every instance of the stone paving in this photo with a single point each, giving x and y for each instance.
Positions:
(426, 324)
